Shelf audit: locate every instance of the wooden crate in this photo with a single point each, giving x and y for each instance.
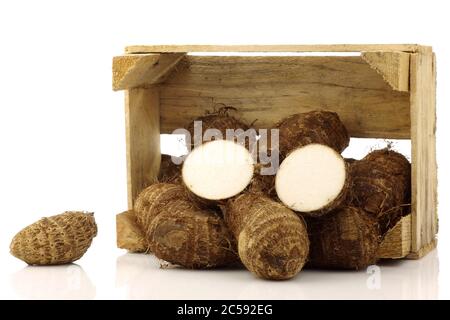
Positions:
(385, 91)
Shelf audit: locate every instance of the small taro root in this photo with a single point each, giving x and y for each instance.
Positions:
(321, 127)
(348, 238)
(153, 199)
(129, 233)
(218, 170)
(313, 179)
(58, 239)
(191, 237)
(382, 186)
(272, 240)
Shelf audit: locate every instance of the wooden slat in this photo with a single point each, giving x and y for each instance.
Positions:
(270, 88)
(392, 66)
(273, 48)
(423, 141)
(423, 251)
(143, 150)
(397, 241)
(131, 71)
(129, 234)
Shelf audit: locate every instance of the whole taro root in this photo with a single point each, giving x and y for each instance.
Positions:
(382, 186)
(191, 237)
(272, 240)
(347, 238)
(58, 239)
(153, 199)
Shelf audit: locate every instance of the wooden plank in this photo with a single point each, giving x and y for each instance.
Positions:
(273, 48)
(423, 251)
(138, 70)
(433, 182)
(129, 234)
(142, 133)
(423, 141)
(397, 241)
(392, 66)
(270, 88)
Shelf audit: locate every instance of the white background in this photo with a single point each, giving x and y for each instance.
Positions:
(62, 135)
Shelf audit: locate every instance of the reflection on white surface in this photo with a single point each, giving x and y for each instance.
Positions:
(53, 282)
(143, 278)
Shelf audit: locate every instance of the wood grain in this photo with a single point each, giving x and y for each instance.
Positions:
(142, 133)
(273, 48)
(397, 241)
(423, 141)
(423, 251)
(271, 88)
(392, 66)
(138, 70)
(129, 234)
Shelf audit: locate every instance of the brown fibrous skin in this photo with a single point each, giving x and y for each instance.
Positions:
(348, 238)
(220, 120)
(382, 186)
(323, 127)
(191, 237)
(58, 239)
(169, 172)
(154, 199)
(272, 240)
(129, 233)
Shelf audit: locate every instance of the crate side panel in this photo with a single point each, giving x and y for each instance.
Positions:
(143, 138)
(267, 89)
(423, 141)
(397, 241)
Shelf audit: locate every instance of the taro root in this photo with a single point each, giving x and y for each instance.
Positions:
(153, 199)
(313, 177)
(194, 238)
(382, 186)
(322, 127)
(58, 239)
(220, 120)
(347, 238)
(272, 240)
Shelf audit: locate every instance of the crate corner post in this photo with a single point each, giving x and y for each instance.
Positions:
(423, 143)
(140, 75)
(142, 139)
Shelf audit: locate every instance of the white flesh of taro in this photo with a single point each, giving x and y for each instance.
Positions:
(218, 170)
(310, 178)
